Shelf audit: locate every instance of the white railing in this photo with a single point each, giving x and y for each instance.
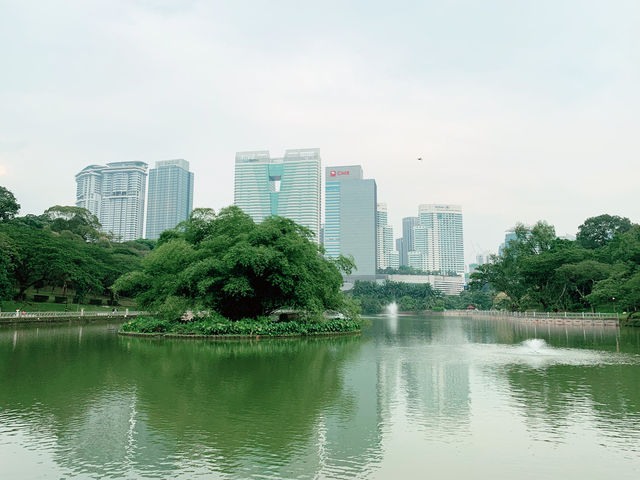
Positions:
(79, 314)
(537, 315)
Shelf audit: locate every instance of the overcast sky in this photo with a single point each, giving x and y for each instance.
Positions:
(521, 110)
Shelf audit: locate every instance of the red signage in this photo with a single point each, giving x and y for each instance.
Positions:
(333, 173)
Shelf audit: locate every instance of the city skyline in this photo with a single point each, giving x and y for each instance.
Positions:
(511, 115)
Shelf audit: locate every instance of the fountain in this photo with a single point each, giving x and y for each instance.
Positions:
(391, 309)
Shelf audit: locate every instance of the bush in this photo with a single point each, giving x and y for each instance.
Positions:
(215, 324)
(95, 301)
(41, 298)
(60, 299)
(146, 325)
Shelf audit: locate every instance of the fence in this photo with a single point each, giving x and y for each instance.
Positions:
(52, 316)
(558, 318)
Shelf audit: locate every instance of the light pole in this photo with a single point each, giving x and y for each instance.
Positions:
(614, 304)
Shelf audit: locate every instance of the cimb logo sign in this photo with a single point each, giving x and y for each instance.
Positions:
(338, 173)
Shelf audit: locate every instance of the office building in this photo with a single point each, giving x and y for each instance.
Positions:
(407, 240)
(384, 237)
(170, 198)
(288, 187)
(116, 195)
(443, 240)
(350, 218)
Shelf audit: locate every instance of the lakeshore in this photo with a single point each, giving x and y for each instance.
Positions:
(543, 318)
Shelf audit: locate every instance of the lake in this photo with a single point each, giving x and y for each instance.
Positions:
(413, 396)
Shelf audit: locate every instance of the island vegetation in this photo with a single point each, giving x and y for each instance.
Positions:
(223, 274)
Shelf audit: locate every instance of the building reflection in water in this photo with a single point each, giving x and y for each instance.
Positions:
(103, 405)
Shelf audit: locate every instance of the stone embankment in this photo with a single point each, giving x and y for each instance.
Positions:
(543, 318)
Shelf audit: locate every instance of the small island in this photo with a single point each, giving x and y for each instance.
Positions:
(224, 275)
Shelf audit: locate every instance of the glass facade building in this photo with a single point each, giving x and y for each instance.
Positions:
(443, 241)
(170, 198)
(116, 195)
(350, 218)
(386, 253)
(288, 187)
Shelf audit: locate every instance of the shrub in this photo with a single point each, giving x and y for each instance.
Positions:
(215, 324)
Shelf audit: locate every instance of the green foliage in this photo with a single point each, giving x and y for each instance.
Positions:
(75, 220)
(600, 270)
(227, 263)
(218, 325)
(373, 297)
(597, 232)
(62, 248)
(9, 207)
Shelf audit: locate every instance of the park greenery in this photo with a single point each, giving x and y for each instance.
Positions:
(599, 271)
(61, 251)
(222, 273)
(373, 297)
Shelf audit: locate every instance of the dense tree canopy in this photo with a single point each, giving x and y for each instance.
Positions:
(62, 248)
(227, 263)
(9, 207)
(601, 269)
(597, 232)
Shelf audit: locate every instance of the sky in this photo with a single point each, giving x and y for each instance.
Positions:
(521, 110)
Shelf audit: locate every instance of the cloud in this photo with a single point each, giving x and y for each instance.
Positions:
(518, 117)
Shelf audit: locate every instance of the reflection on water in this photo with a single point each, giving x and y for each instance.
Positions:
(411, 395)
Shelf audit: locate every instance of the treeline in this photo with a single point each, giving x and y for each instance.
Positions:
(373, 297)
(61, 248)
(600, 270)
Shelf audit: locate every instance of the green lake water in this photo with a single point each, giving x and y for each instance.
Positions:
(412, 397)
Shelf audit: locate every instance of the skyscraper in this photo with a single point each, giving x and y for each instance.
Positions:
(350, 218)
(444, 242)
(170, 196)
(89, 188)
(288, 187)
(384, 233)
(123, 195)
(408, 242)
(115, 194)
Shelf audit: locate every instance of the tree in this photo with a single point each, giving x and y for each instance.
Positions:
(7, 250)
(597, 232)
(227, 263)
(77, 220)
(581, 277)
(9, 207)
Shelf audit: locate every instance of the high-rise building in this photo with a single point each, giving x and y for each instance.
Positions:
(123, 195)
(288, 187)
(170, 196)
(350, 218)
(444, 241)
(408, 243)
(384, 234)
(89, 188)
(116, 195)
